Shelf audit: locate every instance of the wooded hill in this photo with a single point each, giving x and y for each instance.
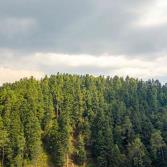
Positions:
(83, 121)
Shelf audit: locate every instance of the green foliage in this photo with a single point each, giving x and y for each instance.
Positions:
(158, 148)
(55, 145)
(79, 155)
(85, 120)
(3, 140)
(137, 154)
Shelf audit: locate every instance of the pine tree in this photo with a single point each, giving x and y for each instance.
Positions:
(158, 147)
(137, 154)
(3, 141)
(32, 131)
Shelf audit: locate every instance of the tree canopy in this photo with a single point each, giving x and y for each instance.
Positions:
(85, 120)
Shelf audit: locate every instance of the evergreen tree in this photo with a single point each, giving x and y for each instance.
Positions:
(3, 141)
(158, 147)
(85, 120)
(137, 154)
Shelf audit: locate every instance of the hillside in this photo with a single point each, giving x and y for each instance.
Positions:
(73, 120)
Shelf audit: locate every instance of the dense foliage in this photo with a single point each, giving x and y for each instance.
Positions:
(90, 121)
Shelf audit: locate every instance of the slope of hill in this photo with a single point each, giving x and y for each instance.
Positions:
(71, 120)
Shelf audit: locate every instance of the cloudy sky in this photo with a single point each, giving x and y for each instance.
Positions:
(100, 37)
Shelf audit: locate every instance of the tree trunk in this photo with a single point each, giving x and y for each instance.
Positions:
(3, 153)
(67, 160)
(162, 153)
(57, 111)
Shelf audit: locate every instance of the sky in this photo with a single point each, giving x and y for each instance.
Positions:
(98, 37)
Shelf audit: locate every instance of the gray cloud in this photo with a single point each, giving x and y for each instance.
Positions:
(110, 37)
(75, 26)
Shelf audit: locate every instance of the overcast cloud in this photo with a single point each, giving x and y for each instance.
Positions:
(108, 37)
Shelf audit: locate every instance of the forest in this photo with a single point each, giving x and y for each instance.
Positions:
(66, 120)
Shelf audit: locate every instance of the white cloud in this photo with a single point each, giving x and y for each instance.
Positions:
(14, 66)
(103, 61)
(11, 75)
(114, 65)
(153, 14)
